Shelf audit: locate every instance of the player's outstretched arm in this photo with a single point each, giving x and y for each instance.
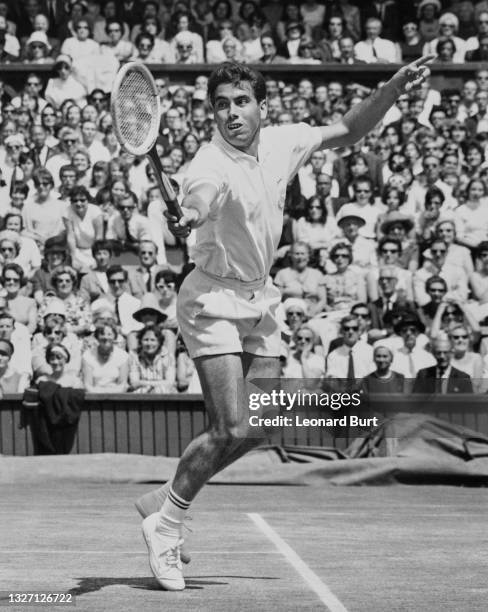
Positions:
(195, 208)
(364, 116)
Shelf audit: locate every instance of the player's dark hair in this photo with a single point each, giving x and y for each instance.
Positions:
(233, 73)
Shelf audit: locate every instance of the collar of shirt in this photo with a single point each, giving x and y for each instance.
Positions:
(446, 374)
(238, 155)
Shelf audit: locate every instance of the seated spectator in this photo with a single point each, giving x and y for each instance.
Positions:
(295, 310)
(448, 27)
(29, 256)
(42, 24)
(81, 46)
(18, 335)
(412, 44)
(457, 255)
(289, 47)
(119, 300)
(64, 280)
(43, 213)
(152, 366)
(302, 362)
(445, 50)
(142, 278)
(350, 221)
(165, 293)
(481, 53)
(105, 367)
(390, 295)
(94, 284)
(291, 14)
(54, 331)
(23, 308)
(186, 36)
(144, 48)
(96, 150)
(428, 12)
(411, 357)
(351, 361)
(347, 52)
(464, 358)
(65, 86)
(302, 281)
(214, 47)
(478, 279)
(346, 285)
(383, 379)
(472, 216)
(84, 225)
(128, 226)
(11, 381)
(162, 50)
(397, 225)
(437, 266)
(374, 48)
(38, 49)
(316, 227)
(453, 312)
(11, 45)
(270, 52)
(57, 358)
(442, 377)
(122, 48)
(473, 42)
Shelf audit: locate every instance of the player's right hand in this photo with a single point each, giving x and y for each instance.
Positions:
(183, 226)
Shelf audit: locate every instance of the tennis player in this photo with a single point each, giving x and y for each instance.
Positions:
(234, 193)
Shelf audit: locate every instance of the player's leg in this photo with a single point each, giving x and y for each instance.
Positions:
(254, 367)
(222, 380)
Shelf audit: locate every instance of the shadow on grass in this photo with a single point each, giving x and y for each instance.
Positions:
(93, 584)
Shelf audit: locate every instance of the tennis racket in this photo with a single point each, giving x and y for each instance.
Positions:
(136, 112)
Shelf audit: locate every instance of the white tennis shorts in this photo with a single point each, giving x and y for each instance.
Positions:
(219, 316)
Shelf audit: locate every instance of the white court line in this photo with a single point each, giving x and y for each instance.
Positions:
(131, 552)
(321, 589)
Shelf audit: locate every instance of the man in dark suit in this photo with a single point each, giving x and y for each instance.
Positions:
(442, 378)
(390, 298)
(346, 47)
(141, 277)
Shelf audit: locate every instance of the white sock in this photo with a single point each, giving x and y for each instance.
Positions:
(172, 514)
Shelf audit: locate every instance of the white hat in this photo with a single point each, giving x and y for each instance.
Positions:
(55, 306)
(15, 139)
(347, 211)
(297, 303)
(38, 37)
(184, 38)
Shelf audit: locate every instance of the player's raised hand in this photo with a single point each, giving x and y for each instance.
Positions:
(412, 76)
(182, 227)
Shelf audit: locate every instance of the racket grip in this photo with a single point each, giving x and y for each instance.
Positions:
(164, 185)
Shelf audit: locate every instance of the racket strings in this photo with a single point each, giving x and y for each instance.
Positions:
(136, 109)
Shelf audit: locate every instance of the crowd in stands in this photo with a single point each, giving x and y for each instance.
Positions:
(383, 259)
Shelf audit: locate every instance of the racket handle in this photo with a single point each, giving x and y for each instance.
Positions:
(164, 185)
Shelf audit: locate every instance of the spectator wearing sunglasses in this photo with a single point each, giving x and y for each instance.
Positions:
(454, 276)
(302, 362)
(43, 213)
(351, 361)
(65, 86)
(121, 48)
(119, 300)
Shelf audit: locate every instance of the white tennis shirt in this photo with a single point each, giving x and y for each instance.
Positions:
(243, 229)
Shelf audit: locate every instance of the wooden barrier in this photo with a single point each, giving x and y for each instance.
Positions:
(164, 425)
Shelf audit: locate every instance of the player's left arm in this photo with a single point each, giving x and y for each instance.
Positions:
(364, 116)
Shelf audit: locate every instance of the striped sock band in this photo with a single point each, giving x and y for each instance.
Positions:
(177, 500)
(172, 513)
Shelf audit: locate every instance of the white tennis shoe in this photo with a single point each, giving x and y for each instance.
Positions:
(152, 502)
(164, 555)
